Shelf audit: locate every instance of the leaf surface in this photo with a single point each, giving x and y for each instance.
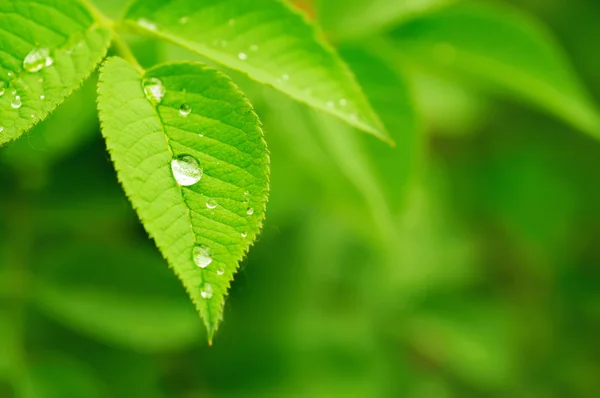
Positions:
(47, 49)
(499, 47)
(268, 41)
(204, 224)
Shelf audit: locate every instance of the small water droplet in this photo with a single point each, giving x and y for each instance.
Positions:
(42, 97)
(220, 271)
(246, 193)
(211, 204)
(343, 102)
(242, 56)
(207, 291)
(244, 234)
(9, 74)
(184, 20)
(154, 89)
(285, 77)
(202, 256)
(1, 129)
(200, 135)
(254, 48)
(16, 103)
(250, 211)
(185, 110)
(330, 104)
(32, 115)
(186, 170)
(144, 23)
(37, 59)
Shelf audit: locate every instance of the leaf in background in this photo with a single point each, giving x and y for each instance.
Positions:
(355, 19)
(47, 49)
(193, 161)
(59, 135)
(498, 46)
(118, 295)
(268, 41)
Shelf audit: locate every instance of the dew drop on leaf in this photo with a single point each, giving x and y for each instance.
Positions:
(144, 23)
(207, 291)
(154, 89)
(1, 129)
(330, 104)
(250, 211)
(16, 103)
(202, 256)
(285, 77)
(42, 97)
(37, 59)
(242, 56)
(2, 88)
(211, 204)
(185, 110)
(220, 271)
(186, 170)
(244, 234)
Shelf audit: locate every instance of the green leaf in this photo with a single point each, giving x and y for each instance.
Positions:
(268, 41)
(122, 296)
(47, 49)
(498, 46)
(355, 19)
(219, 141)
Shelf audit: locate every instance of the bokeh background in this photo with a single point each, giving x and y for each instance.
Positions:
(462, 263)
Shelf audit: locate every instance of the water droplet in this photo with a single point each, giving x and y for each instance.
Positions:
(185, 110)
(42, 97)
(154, 89)
(1, 129)
(37, 59)
(144, 23)
(207, 291)
(200, 135)
(211, 204)
(16, 103)
(220, 271)
(330, 104)
(250, 211)
(9, 74)
(32, 115)
(186, 170)
(285, 77)
(343, 102)
(184, 20)
(244, 234)
(202, 256)
(242, 56)
(254, 48)
(246, 193)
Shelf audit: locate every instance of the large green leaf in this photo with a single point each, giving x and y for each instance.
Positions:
(268, 41)
(47, 49)
(193, 161)
(498, 46)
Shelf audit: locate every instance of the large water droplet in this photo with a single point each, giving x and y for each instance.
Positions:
(207, 291)
(242, 56)
(250, 211)
(202, 256)
(186, 170)
(185, 110)
(16, 103)
(211, 204)
(220, 271)
(37, 59)
(154, 89)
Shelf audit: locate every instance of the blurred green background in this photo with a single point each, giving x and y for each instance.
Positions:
(462, 263)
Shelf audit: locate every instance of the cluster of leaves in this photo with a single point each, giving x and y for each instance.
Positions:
(186, 142)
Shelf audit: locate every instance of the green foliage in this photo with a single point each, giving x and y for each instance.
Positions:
(453, 263)
(193, 161)
(48, 49)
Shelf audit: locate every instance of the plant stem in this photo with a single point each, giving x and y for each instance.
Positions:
(120, 46)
